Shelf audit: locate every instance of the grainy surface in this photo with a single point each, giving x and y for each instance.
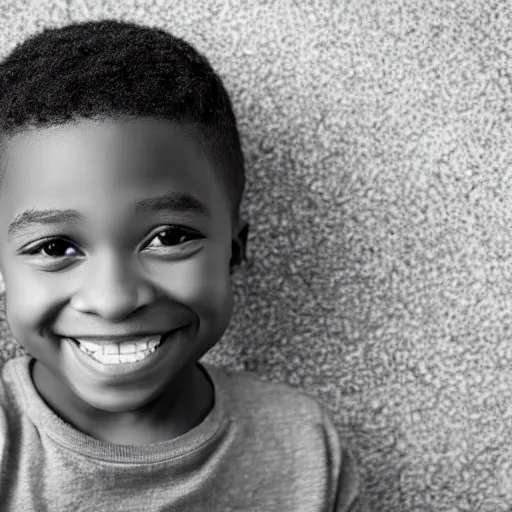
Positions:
(379, 164)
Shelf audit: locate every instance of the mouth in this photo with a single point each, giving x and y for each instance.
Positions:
(119, 352)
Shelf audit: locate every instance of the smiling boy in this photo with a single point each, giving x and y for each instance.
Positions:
(121, 182)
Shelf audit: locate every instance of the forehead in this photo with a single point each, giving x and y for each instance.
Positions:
(90, 163)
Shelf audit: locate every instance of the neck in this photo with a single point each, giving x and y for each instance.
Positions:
(174, 412)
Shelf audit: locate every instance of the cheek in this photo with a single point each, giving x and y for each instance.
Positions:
(29, 301)
(205, 284)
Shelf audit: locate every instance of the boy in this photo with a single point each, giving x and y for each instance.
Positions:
(115, 139)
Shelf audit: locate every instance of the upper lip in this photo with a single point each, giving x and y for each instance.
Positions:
(102, 338)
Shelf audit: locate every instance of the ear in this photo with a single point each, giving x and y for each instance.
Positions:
(239, 244)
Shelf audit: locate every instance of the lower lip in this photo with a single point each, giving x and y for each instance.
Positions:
(154, 359)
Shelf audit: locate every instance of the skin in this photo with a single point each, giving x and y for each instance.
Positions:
(110, 273)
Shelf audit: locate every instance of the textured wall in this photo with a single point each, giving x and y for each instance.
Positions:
(378, 138)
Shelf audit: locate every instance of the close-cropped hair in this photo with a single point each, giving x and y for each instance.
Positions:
(114, 69)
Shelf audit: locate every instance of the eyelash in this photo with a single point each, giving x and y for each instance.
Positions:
(192, 235)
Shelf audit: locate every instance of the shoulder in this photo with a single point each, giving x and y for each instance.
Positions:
(6, 373)
(284, 423)
(14, 375)
(7, 408)
(248, 394)
(277, 411)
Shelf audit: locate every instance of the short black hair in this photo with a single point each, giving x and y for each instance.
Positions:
(110, 68)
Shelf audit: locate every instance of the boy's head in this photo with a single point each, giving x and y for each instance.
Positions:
(121, 181)
(111, 69)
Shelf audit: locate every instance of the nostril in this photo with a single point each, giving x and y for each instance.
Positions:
(135, 312)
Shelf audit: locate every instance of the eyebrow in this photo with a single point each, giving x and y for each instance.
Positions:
(170, 201)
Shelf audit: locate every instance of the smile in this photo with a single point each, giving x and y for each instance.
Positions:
(115, 353)
(119, 353)
(124, 358)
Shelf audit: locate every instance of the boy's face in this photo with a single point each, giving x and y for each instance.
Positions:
(107, 245)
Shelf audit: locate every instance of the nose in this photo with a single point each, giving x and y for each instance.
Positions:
(113, 289)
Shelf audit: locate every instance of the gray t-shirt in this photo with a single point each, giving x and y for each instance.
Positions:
(263, 447)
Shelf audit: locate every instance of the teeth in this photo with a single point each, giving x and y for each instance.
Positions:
(116, 353)
(121, 358)
(88, 346)
(110, 349)
(127, 347)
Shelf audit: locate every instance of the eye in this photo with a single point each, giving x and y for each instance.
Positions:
(168, 238)
(174, 236)
(56, 248)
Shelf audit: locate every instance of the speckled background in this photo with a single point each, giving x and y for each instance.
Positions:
(378, 138)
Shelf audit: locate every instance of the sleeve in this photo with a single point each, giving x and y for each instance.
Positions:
(345, 481)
